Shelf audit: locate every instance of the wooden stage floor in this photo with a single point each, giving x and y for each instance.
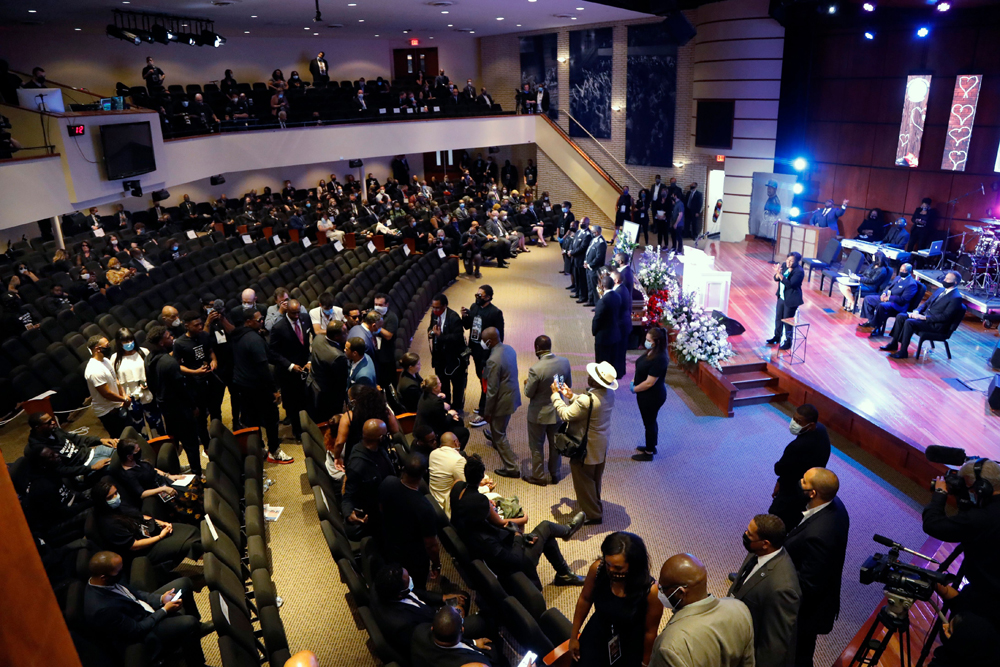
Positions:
(909, 398)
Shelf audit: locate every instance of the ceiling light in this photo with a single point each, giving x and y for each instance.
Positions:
(253, 16)
(212, 38)
(431, 38)
(305, 28)
(869, 34)
(579, 9)
(923, 31)
(572, 18)
(444, 12)
(246, 32)
(361, 20)
(868, 6)
(472, 32)
(832, 9)
(376, 35)
(499, 18)
(518, 25)
(799, 163)
(315, 33)
(451, 25)
(943, 6)
(184, 25)
(163, 34)
(32, 11)
(122, 33)
(352, 4)
(78, 29)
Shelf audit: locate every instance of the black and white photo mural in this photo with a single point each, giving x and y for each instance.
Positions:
(650, 96)
(590, 82)
(539, 65)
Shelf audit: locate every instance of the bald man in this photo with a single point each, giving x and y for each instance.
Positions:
(171, 319)
(366, 467)
(440, 644)
(290, 344)
(704, 631)
(818, 546)
(248, 299)
(303, 659)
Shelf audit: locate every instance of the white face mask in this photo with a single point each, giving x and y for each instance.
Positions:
(485, 346)
(177, 322)
(794, 427)
(666, 601)
(381, 310)
(648, 344)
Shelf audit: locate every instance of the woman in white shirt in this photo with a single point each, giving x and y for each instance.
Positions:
(129, 362)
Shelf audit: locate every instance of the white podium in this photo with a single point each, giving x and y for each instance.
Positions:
(711, 286)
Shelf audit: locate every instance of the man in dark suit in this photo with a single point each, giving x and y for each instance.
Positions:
(826, 215)
(578, 251)
(358, 104)
(400, 169)
(606, 325)
(693, 203)
(447, 339)
(809, 449)
(593, 261)
(624, 293)
(122, 219)
(789, 277)
(895, 299)
(328, 370)
(477, 319)
(385, 359)
(503, 398)
(119, 614)
(366, 331)
(818, 547)
(290, 342)
(188, 209)
(897, 236)
(935, 315)
(769, 586)
(439, 644)
(484, 99)
(623, 208)
(319, 69)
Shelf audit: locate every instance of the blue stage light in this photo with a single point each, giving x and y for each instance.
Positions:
(798, 188)
(799, 163)
(943, 6)
(923, 31)
(794, 211)
(868, 6)
(869, 34)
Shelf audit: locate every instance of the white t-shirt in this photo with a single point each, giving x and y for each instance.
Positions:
(132, 377)
(100, 373)
(446, 466)
(320, 319)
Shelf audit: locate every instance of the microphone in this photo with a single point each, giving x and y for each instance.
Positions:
(952, 456)
(885, 541)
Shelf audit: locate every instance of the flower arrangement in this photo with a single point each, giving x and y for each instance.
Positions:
(624, 244)
(654, 274)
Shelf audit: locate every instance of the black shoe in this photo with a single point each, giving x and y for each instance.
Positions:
(537, 481)
(876, 334)
(891, 347)
(575, 525)
(205, 629)
(786, 346)
(866, 324)
(572, 295)
(504, 472)
(642, 450)
(503, 266)
(479, 274)
(772, 341)
(570, 287)
(567, 579)
(589, 304)
(593, 522)
(581, 301)
(899, 355)
(644, 457)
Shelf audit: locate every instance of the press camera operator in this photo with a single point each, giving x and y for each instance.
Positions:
(969, 637)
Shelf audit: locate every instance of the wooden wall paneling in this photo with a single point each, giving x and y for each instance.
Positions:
(826, 143)
(864, 97)
(954, 49)
(884, 145)
(983, 149)
(831, 99)
(890, 102)
(887, 189)
(851, 183)
(821, 179)
(934, 135)
(988, 107)
(933, 184)
(856, 143)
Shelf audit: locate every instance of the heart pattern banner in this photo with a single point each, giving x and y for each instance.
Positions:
(911, 128)
(960, 120)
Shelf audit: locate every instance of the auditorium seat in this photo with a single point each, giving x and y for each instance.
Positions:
(524, 628)
(932, 337)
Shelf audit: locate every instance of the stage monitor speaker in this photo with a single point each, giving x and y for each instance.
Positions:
(993, 393)
(355, 164)
(678, 29)
(160, 195)
(733, 328)
(217, 180)
(995, 358)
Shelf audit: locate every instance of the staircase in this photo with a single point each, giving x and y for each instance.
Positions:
(753, 384)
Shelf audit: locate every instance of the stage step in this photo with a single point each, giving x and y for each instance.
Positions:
(754, 366)
(752, 379)
(755, 395)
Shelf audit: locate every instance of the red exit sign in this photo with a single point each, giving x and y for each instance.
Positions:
(720, 158)
(414, 42)
(75, 130)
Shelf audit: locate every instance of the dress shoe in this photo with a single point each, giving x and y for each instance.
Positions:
(593, 522)
(899, 355)
(488, 433)
(876, 334)
(570, 287)
(504, 472)
(891, 347)
(575, 525)
(589, 304)
(581, 301)
(866, 324)
(772, 341)
(206, 628)
(503, 266)
(567, 579)
(572, 295)
(554, 478)
(537, 481)
(642, 450)
(785, 346)
(644, 457)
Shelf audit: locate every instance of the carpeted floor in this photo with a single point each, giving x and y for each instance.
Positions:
(712, 476)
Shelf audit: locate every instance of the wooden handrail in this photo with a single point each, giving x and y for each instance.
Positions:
(28, 157)
(78, 114)
(56, 84)
(582, 153)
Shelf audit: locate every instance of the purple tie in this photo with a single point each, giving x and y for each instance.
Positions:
(298, 331)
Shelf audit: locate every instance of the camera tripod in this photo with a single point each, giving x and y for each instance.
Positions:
(895, 617)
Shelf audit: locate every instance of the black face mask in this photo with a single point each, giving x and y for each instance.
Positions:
(137, 456)
(804, 494)
(113, 579)
(904, 275)
(949, 284)
(747, 542)
(480, 301)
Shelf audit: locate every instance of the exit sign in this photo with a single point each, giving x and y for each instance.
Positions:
(75, 130)
(720, 158)
(414, 42)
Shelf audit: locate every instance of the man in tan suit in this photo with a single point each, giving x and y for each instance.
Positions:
(543, 423)
(704, 630)
(599, 401)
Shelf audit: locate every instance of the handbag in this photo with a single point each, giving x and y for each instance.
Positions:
(567, 445)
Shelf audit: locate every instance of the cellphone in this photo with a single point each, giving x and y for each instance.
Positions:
(455, 602)
(528, 660)
(360, 512)
(177, 596)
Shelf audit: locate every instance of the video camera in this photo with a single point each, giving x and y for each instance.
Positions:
(902, 580)
(981, 491)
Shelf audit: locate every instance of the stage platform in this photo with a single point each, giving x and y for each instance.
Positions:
(893, 408)
(978, 301)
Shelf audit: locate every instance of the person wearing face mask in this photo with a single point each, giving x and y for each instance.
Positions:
(578, 250)
(897, 236)
(138, 479)
(107, 399)
(54, 505)
(543, 421)
(173, 397)
(502, 397)
(627, 609)
(704, 631)
(384, 338)
(923, 220)
(129, 362)
(448, 351)
(171, 320)
(650, 389)
(818, 547)
(324, 313)
(809, 449)
(769, 586)
(290, 341)
(359, 105)
(935, 315)
(894, 300)
(279, 103)
(789, 276)
(37, 79)
(481, 316)
(119, 614)
(80, 456)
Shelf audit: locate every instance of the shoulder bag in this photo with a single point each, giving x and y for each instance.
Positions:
(567, 445)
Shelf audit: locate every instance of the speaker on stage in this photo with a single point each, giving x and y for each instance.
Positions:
(993, 393)
(995, 359)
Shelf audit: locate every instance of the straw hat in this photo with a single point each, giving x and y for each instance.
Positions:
(604, 374)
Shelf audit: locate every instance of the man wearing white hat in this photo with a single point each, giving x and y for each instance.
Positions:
(598, 403)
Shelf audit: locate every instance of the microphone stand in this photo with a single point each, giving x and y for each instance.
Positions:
(951, 212)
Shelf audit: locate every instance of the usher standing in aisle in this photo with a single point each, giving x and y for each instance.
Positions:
(483, 315)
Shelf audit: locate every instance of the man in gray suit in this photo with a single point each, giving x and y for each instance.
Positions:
(328, 377)
(503, 398)
(768, 585)
(704, 630)
(543, 422)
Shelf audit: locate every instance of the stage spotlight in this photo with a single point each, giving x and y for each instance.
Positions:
(798, 188)
(121, 33)
(943, 6)
(190, 39)
(799, 163)
(832, 9)
(794, 211)
(923, 31)
(869, 34)
(212, 39)
(868, 6)
(163, 34)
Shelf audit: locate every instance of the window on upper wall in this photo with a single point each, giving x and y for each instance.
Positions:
(714, 124)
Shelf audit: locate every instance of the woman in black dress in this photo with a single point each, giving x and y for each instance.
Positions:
(435, 413)
(363, 403)
(649, 388)
(137, 480)
(130, 534)
(624, 597)
(789, 277)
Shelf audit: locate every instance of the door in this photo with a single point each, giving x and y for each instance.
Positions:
(713, 193)
(406, 63)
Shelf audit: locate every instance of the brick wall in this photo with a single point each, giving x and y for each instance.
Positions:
(501, 71)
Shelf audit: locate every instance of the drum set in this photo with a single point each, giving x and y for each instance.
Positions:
(980, 270)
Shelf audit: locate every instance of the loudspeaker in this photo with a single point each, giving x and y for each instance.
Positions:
(995, 359)
(217, 180)
(678, 29)
(733, 328)
(160, 195)
(993, 393)
(355, 164)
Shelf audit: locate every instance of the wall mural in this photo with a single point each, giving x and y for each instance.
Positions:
(911, 128)
(651, 96)
(960, 120)
(590, 82)
(539, 65)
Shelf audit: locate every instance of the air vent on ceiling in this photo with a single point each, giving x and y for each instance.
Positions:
(464, 30)
(224, 3)
(335, 25)
(441, 3)
(563, 16)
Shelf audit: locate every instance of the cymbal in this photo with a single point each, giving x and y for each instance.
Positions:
(990, 221)
(976, 230)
